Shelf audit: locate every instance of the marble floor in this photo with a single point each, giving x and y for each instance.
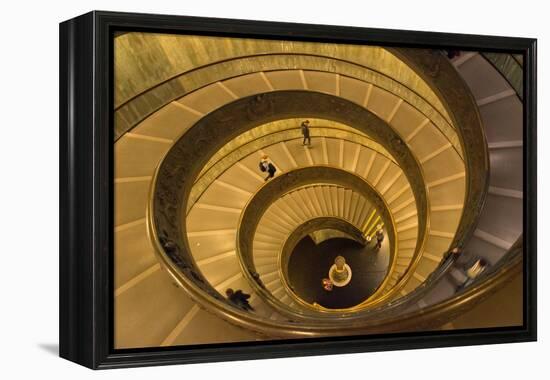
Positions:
(310, 263)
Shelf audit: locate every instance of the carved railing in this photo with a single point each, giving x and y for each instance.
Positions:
(391, 318)
(183, 164)
(285, 183)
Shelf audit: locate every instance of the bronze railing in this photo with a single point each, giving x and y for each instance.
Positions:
(262, 108)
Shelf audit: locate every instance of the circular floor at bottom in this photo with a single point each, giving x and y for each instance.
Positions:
(309, 264)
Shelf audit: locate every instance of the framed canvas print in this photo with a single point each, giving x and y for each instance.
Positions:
(239, 189)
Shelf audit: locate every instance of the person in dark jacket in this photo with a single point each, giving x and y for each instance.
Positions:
(452, 254)
(256, 277)
(267, 166)
(239, 299)
(379, 236)
(305, 133)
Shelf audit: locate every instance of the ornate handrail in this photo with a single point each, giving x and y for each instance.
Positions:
(284, 184)
(182, 163)
(127, 115)
(318, 127)
(256, 108)
(457, 98)
(206, 178)
(311, 225)
(510, 69)
(430, 317)
(341, 134)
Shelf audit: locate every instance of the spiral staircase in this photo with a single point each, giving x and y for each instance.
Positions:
(390, 147)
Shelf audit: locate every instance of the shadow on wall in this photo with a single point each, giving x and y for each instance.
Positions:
(52, 348)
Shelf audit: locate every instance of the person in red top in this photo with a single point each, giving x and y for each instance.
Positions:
(327, 284)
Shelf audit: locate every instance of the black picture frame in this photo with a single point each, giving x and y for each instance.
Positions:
(86, 189)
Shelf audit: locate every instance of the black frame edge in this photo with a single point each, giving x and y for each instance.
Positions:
(336, 33)
(76, 181)
(86, 176)
(530, 187)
